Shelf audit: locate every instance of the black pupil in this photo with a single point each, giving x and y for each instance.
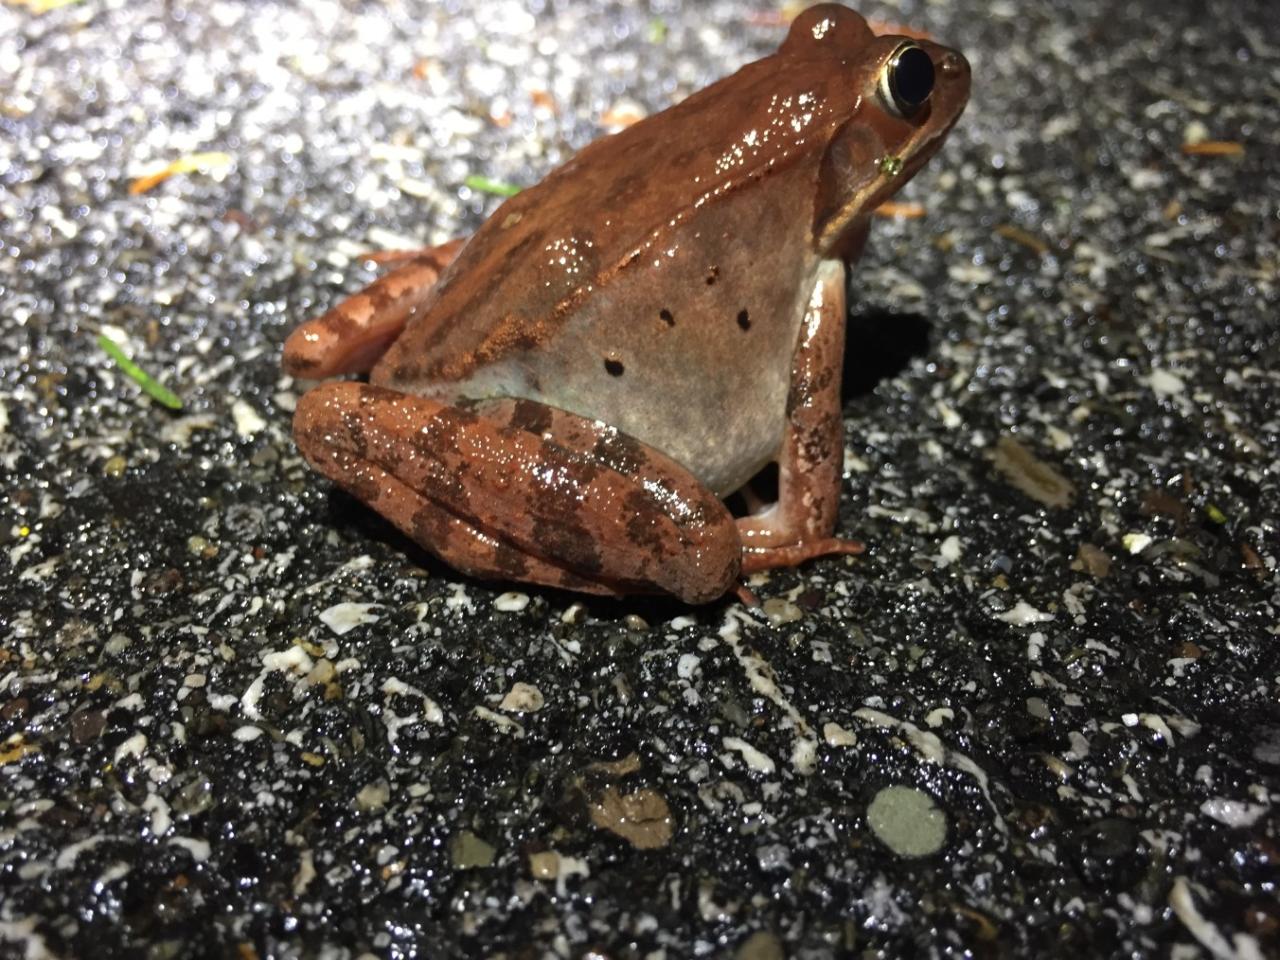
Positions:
(912, 78)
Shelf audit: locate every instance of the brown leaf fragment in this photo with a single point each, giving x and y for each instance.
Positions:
(1025, 471)
(897, 208)
(470, 851)
(617, 769)
(1214, 148)
(191, 163)
(621, 116)
(1189, 650)
(87, 725)
(761, 945)
(641, 818)
(986, 929)
(883, 28)
(15, 749)
(544, 865)
(1023, 237)
(543, 100)
(1159, 503)
(1091, 560)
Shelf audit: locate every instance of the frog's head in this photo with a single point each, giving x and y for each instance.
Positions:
(896, 98)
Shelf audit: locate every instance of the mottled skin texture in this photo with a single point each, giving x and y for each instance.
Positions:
(564, 398)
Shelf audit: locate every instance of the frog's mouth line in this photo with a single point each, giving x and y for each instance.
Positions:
(923, 143)
(886, 182)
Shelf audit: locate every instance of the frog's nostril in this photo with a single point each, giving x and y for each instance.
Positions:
(666, 317)
(744, 319)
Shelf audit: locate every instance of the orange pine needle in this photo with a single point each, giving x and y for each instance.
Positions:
(187, 164)
(1214, 148)
(1018, 235)
(621, 117)
(904, 211)
(882, 28)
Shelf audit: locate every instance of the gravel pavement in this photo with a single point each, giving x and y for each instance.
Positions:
(240, 716)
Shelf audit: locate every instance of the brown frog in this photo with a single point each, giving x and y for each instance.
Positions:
(566, 397)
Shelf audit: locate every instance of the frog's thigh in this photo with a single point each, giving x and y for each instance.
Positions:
(462, 545)
(354, 334)
(799, 526)
(523, 491)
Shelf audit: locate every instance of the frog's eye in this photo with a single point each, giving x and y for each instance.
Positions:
(907, 80)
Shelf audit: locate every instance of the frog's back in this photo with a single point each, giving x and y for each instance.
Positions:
(612, 207)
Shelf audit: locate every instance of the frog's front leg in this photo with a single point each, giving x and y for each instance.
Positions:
(800, 525)
(517, 490)
(354, 334)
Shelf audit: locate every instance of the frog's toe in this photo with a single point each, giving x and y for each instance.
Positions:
(755, 559)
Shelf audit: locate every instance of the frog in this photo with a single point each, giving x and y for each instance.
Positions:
(568, 397)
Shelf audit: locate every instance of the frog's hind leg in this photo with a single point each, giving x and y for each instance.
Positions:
(354, 334)
(465, 546)
(516, 490)
(799, 526)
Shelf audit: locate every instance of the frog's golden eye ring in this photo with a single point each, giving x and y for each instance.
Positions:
(907, 80)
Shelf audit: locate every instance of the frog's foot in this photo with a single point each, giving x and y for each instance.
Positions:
(755, 559)
(799, 526)
(517, 490)
(353, 335)
(394, 258)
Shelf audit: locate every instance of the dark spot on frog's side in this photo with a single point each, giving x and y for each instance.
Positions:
(744, 319)
(713, 274)
(667, 317)
(613, 366)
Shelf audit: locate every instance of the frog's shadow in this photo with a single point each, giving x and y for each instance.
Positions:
(348, 512)
(880, 344)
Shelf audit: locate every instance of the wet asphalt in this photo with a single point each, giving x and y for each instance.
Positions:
(240, 716)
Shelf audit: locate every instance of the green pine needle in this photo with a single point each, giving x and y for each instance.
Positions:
(496, 187)
(151, 387)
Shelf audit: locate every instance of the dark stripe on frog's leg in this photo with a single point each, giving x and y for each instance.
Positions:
(352, 336)
(528, 415)
(799, 526)
(621, 452)
(455, 541)
(460, 482)
(595, 442)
